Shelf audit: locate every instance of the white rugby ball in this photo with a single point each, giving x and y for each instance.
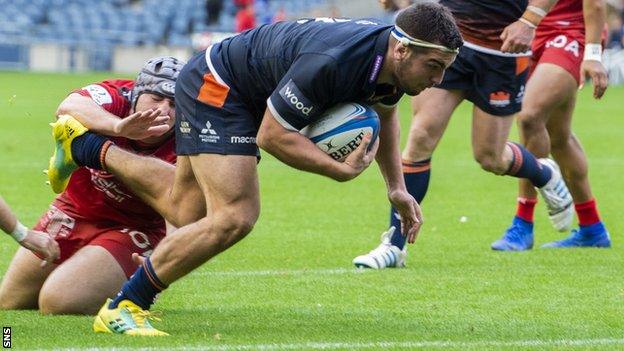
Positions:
(341, 128)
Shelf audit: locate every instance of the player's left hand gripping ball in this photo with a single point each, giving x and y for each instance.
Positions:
(61, 166)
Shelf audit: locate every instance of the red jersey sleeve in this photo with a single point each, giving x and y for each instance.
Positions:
(112, 95)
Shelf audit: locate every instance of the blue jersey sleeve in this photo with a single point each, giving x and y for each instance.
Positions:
(305, 91)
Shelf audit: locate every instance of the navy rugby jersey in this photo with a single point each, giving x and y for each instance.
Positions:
(301, 68)
(481, 22)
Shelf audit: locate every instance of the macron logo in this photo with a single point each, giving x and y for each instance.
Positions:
(290, 93)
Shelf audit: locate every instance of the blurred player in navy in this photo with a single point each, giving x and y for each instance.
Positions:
(97, 222)
(490, 71)
(258, 89)
(566, 50)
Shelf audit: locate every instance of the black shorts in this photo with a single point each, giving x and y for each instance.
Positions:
(210, 116)
(493, 83)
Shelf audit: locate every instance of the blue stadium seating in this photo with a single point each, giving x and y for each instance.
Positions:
(100, 25)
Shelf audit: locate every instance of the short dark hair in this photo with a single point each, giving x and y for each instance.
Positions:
(430, 22)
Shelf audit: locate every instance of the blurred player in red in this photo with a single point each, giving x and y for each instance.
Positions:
(97, 222)
(41, 243)
(566, 52)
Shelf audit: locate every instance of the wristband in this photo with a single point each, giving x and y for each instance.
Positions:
(527, 22)
(20, 232)
(536, 10)
(593, 52)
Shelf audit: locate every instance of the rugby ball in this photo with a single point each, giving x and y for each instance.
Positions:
(341, 128)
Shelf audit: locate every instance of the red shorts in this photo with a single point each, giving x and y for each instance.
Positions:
(72, 234)
(561, 48)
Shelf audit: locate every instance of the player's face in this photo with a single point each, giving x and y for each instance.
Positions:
(149, 101)
(422, 69)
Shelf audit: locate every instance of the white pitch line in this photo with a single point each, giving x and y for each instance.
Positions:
(283, 272)
(374, 345)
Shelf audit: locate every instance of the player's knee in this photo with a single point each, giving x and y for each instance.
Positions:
(228, 227)
(490, 162)
(531, 126)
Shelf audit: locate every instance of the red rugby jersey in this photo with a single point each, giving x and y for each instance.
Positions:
(97, 195)
(565, 15)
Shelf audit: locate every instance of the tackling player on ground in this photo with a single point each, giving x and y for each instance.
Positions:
(490, 71)
(566, 51)
(97, 222)
(260, 88)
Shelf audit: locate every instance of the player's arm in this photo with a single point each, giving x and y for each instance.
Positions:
(297, 151)
(96, 118)
(35, 241)
(594, 13)
(517, 36)
(389, 161)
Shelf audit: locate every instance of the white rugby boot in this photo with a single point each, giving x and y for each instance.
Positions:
(383, 256)
(557, 197)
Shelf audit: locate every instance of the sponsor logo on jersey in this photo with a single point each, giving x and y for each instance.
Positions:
(242, 140)
(293, 97)
(500, 99)
(99, 94)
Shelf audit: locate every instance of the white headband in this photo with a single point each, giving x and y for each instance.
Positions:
(407, 40)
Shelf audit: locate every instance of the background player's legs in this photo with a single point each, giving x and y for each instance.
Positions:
(230, 184)
(489, 138)
(153, 181)
(23, 280)
(547, 116)
(80, 284)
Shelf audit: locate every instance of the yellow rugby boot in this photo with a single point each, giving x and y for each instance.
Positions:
(62, 165)
(127, 319)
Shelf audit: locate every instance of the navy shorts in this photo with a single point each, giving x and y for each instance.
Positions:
(210, 116)
(493, 83)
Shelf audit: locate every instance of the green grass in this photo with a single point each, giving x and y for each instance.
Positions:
(455, 294)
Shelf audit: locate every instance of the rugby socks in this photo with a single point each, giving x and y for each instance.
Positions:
(89, 150)
(142, 287)
(526, 209)
(587, 213)
(416, 175)
(525, 165)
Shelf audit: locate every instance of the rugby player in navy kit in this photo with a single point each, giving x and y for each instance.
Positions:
(260, 88)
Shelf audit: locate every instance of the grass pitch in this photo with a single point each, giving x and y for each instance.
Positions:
(290, 284)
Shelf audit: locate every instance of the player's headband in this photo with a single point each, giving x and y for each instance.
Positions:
(407, 40)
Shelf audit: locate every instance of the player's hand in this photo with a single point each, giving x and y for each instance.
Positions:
(43, 244)
(360, 158)
(409, 210)
(142, 124)
(517, 37)
(598, 74)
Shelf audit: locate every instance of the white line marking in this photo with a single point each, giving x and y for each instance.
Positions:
(374, 345)
(283, 272)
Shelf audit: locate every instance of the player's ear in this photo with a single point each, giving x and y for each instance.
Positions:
(400, 51)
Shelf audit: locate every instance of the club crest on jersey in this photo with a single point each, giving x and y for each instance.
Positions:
(500, 99)
(293, 97)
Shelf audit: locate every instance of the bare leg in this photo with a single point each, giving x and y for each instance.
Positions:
(432, 112)
(153, 181)
(22, 281)
(230, 184)
(550, 91)
(93, 275)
